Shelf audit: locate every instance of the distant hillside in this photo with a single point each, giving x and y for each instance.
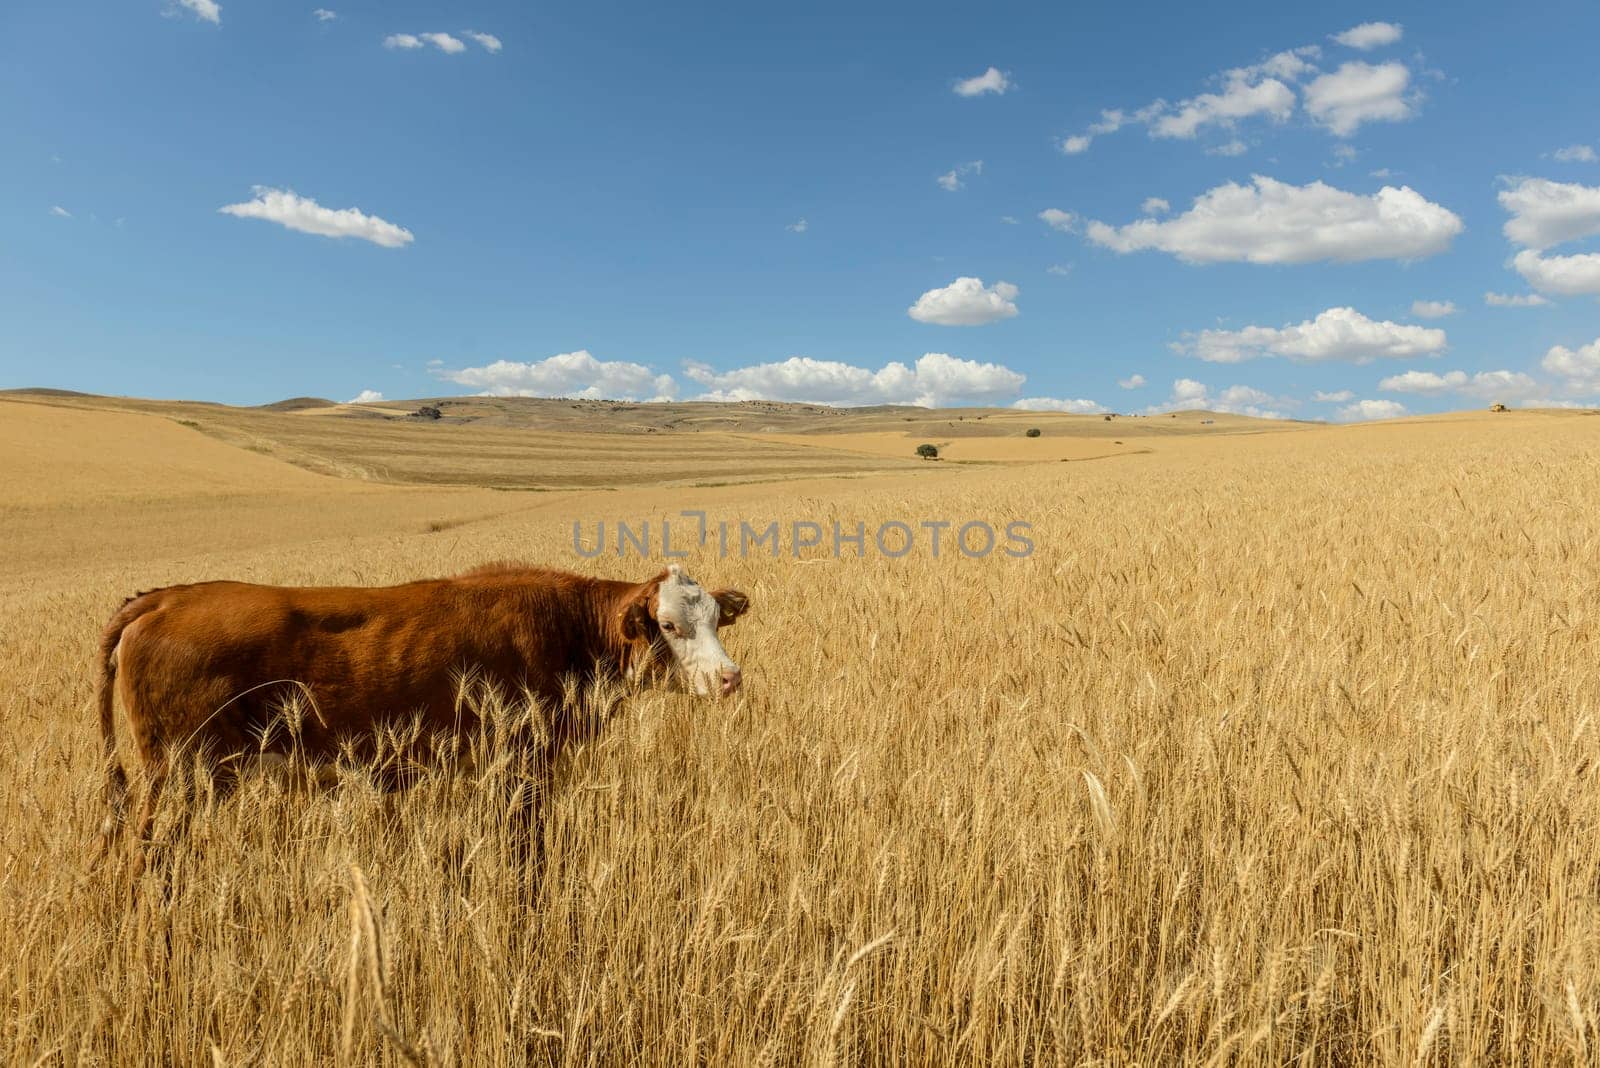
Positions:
(296, 404)
(44, 391)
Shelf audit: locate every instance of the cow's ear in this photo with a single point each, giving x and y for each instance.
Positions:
(636, 616)
(734, 603)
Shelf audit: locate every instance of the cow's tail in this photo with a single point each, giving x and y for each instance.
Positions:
(116, 779)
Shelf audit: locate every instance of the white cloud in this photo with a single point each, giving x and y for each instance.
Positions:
(1567, 276)
(1580, 367)
(952, 179)
(366, 396)
(1360, 92)
(1514, 300)
(569, 374)
(1057, 219)
(1133, 381)
(1338, 334)
(935, 380)
(799, 226)
(286, 208)
(1370, 35)
(1155, 206)
(1433, 309)
(1240, 98)
(1274, 222)
(1009, 220)
(322, 14)
(204, 10)
(1545, 213)
(1340, 101)
(1364, 410)
(1059, 404)
(966, 302)
(1058, 269)
(1338, 396)
(992, 80)
(1190, 395)
(1576, 154)
(59, 212)
(444, 42)
(1489, 385)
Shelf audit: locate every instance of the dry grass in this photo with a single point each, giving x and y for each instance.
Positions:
(1280, 748)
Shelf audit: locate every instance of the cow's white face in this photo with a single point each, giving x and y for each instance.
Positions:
(688, 615)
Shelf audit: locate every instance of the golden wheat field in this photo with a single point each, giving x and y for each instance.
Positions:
(1280, 748)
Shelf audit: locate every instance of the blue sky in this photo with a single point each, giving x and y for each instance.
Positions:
(1118, 208)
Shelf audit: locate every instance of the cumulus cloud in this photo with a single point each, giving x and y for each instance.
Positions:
(1567, 276)
(935, 380)
(1339, 101)
(1358, 93)
(1338, 396)
(366, 396)
(1576, 154)
(1191, 395)
(322, 14)
(444, 42)
(1133, 381)
(569, 374)
(1370, 35)
(1364, 410)
(1338, 334)
(1433, 309)
(966, 302)
(1240, 99)
(953, 179)
(1059, 404)
(204, 10)
(1275, 222)
(1515, 300)
(1155, 206)
(799, 226)
(1057, 219)
(1545, 213)
(1489, 385)
(1580, 367)
(295, 212)
(992, 80)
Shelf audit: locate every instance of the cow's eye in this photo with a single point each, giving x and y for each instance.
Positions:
(670, 628)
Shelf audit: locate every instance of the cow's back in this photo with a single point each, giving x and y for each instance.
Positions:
(212, 663)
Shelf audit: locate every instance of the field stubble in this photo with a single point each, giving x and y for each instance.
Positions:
(1278, 748)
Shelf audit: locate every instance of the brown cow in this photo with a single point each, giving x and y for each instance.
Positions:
(206, 667)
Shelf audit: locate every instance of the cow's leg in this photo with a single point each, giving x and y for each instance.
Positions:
(527, 810)
(155, 778)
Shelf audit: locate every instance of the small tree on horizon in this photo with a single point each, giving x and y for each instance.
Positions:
(1033, 432)
(928, 452)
